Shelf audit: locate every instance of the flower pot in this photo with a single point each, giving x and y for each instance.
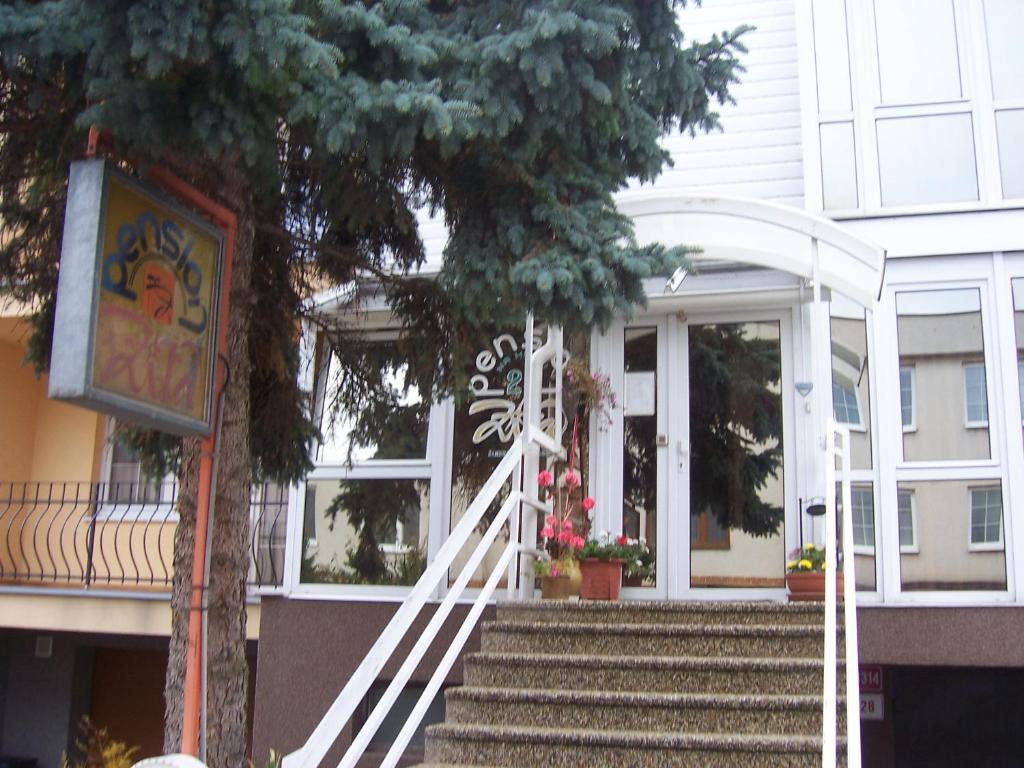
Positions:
(563, 586)
(809, 586)
(632, 581)
(602, 579)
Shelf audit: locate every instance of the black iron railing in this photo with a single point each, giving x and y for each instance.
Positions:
(117, 535)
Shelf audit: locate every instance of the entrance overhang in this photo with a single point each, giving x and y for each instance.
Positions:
(763, 234)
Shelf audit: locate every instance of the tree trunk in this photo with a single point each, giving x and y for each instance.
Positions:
(227, 671)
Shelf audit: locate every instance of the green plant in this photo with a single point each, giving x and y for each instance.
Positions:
(809, 559)
(98, 750)
(638, 560)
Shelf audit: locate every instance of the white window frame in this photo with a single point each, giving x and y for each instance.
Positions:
(970, 423)
(914, 547)
(163, 510)
(863, 549)
(941, 272)
(984, 546)
(976, 100)
(910, 426)
(429, 469)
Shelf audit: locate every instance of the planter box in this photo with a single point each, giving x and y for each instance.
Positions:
(809, 586)
(602, 579)
(563, 586)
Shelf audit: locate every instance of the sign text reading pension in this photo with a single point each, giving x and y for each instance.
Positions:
(136, 328)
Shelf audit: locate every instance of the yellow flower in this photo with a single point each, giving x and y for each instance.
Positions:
(806, 564)
(809, 547)
(790, 565)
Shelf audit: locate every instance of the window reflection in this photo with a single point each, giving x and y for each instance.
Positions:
(365, 531)
(370, 406)
(851, 388)
(639, 449)
(951, 535)
(942, 382)
(736, 455)
(863, 513)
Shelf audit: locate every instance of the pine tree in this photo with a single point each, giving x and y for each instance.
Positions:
(325, 126)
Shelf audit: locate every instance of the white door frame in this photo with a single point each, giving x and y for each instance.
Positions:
(673, 572)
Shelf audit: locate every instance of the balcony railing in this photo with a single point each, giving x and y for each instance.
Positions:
(117, 535)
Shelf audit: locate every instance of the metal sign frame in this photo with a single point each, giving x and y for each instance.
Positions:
(81, 283)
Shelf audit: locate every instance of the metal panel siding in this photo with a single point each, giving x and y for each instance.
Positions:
(758, 153)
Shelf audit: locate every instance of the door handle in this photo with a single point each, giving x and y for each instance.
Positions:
(682, 455)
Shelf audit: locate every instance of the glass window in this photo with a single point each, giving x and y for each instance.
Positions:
(1006, 56)
(844, 404)
(838, 166)
(975, 395)
(1010, 137)
(935, 516)
(917, 51)
(907, 396)
(863, 517)
(851, 376)
(639, 440)
(365, 531)
(1017, 286)
(370, 407)
(940, 334)
(862, 505)
(927, 159)
(1020, 383)
(905, 510)
(986, 517)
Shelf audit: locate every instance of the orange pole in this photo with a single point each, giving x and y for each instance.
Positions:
(227, 221)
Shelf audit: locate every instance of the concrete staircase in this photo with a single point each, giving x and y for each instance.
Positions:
(639, 685)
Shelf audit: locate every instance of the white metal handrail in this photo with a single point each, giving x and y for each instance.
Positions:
(519, 511)
(829, 705)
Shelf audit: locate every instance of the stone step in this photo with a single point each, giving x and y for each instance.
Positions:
(633, 711)
(663, 612)
(570, 748)
(749, 641)
(655, 674)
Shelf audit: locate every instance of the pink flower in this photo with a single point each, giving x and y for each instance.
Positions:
(545, 478)
(548, 532)
(622, 541)
(588, 503)
(571, 479)
(551, 520)
(567, 525)
(564, 536)
(554, 570)
(577, 542)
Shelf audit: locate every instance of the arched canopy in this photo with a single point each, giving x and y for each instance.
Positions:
(764, 234)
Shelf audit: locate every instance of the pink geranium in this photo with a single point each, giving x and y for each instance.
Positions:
(564, 536)
(577, 542)
(567, 525)
(548, 532)
(571, 479)
(588, 503)
(545, 479)
(551, 520)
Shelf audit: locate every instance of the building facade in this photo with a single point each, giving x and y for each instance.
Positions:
(861, 220)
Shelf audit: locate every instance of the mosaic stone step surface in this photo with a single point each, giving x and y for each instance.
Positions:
(569, 748)
(658, 674)
(663, 612)
(602, 638)
(637, 711)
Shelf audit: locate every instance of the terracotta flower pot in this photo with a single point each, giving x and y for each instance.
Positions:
(809, 586)
(563, 586)
(602, 579)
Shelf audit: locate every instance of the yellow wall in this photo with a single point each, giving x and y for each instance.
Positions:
(19, 391)
(41, 439)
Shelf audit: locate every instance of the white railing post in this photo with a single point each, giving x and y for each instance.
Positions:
(853, 757)
(828, 720)
(829, 700)
(531, 463)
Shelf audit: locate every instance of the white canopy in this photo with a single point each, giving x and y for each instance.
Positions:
(764, 234)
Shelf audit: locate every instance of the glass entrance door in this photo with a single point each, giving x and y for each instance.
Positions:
(731, 455)
(703, 452)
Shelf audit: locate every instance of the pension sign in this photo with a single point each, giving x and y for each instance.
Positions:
(137, 303)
